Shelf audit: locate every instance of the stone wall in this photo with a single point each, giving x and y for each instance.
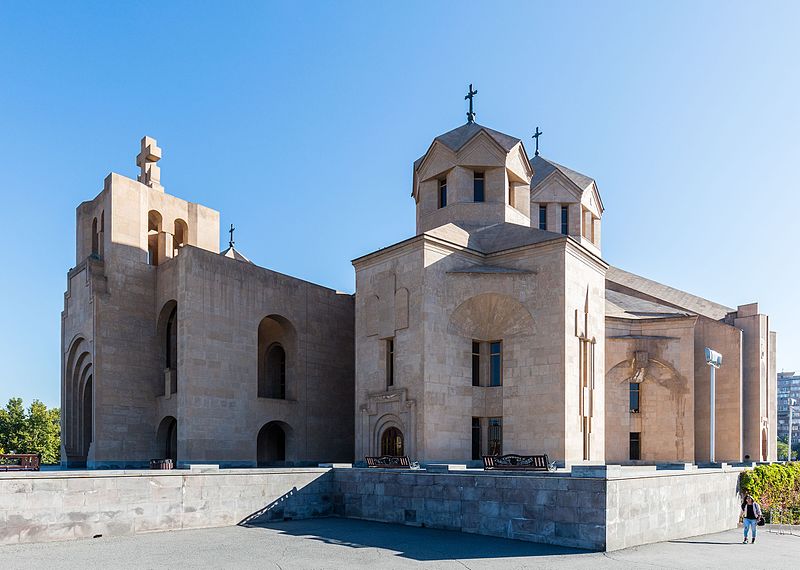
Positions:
(544, 508)
(669, 506)
(43, 507)
(594, 507)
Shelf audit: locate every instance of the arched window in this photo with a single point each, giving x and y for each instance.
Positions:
(167, 327)
(153, 229)
(180, 236)
(276, 372)
(392, 442)
(171, 339)
(276, 345)
(94, 237)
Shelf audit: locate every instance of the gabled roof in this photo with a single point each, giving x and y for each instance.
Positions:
(233, 253)
(635, 285)
(542, 168)
(457, 138)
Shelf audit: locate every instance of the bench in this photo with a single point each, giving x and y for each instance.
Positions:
(19, 462)
(514, 462)
(389, 461)
(161, 464)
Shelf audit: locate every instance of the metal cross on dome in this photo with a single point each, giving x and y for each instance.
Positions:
(230, 231)
(536, 136)
(470, 95)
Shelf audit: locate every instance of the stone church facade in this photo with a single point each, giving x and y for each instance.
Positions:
(497, 328)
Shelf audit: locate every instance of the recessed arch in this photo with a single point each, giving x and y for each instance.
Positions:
(167, 439)
(277, 349)
(154, 228)
(180, 235)
(167, 331)
(78, 413)
(95, 237)
(491, 316)
(273, 443)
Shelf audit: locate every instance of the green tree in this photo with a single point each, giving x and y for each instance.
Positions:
(35, 430)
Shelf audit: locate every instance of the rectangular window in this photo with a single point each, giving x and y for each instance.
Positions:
(634, 397)
(476, 363)
(495, 436)
(389, 362)
(542, 216)
(443, 192)
(476, 438)
(564, 220)
(496, 363)
(510, 194)
(477, 187)
(636, 446)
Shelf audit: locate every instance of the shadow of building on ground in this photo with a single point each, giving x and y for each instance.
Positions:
(415, 543)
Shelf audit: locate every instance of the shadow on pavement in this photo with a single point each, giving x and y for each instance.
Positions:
(422, 544)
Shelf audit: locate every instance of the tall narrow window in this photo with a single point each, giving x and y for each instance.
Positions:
(510, 194)
(443, 192)
(495, 436)
(476, 363)
(542, 216)
(496, 363)
(389, 362)
(634, 397)
(636, 446)
(564, 220)
(476, 438)
(477, 187)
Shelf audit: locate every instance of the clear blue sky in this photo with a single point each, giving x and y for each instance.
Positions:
(300, 122)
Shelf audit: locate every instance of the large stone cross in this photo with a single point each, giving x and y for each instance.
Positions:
(150, 172)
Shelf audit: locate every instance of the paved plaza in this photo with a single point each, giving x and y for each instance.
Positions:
(343, 543)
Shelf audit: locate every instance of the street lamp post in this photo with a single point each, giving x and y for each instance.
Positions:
(714, 361)
(791, 402)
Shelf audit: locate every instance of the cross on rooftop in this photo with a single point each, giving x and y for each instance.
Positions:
(146, 160)
(470, 95)
(536, 136)
(230, 231)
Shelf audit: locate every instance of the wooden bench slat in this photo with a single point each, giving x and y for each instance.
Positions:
(515, 462)
(22, 462)
(388, 461)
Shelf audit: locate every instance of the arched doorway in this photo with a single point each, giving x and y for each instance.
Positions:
(167, 439)
(272, 444)
(392, 442)
(86, 418)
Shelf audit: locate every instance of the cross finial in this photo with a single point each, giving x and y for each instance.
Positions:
(470, 95)
(230, 231)
(148, 157)
(536, 136)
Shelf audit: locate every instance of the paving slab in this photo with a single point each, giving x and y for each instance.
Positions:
(343, 543)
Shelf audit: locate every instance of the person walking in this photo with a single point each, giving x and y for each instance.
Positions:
(751, 512)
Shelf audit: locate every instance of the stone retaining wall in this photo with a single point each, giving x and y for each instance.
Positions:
(540, 508)
(48, 506)
(597, 508)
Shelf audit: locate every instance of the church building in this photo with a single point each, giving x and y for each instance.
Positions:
(497, 328)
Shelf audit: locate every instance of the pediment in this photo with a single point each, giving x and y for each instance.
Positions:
(591, 200)
(556, 188)
(518, 164)
(438, 159)
(481, 150)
